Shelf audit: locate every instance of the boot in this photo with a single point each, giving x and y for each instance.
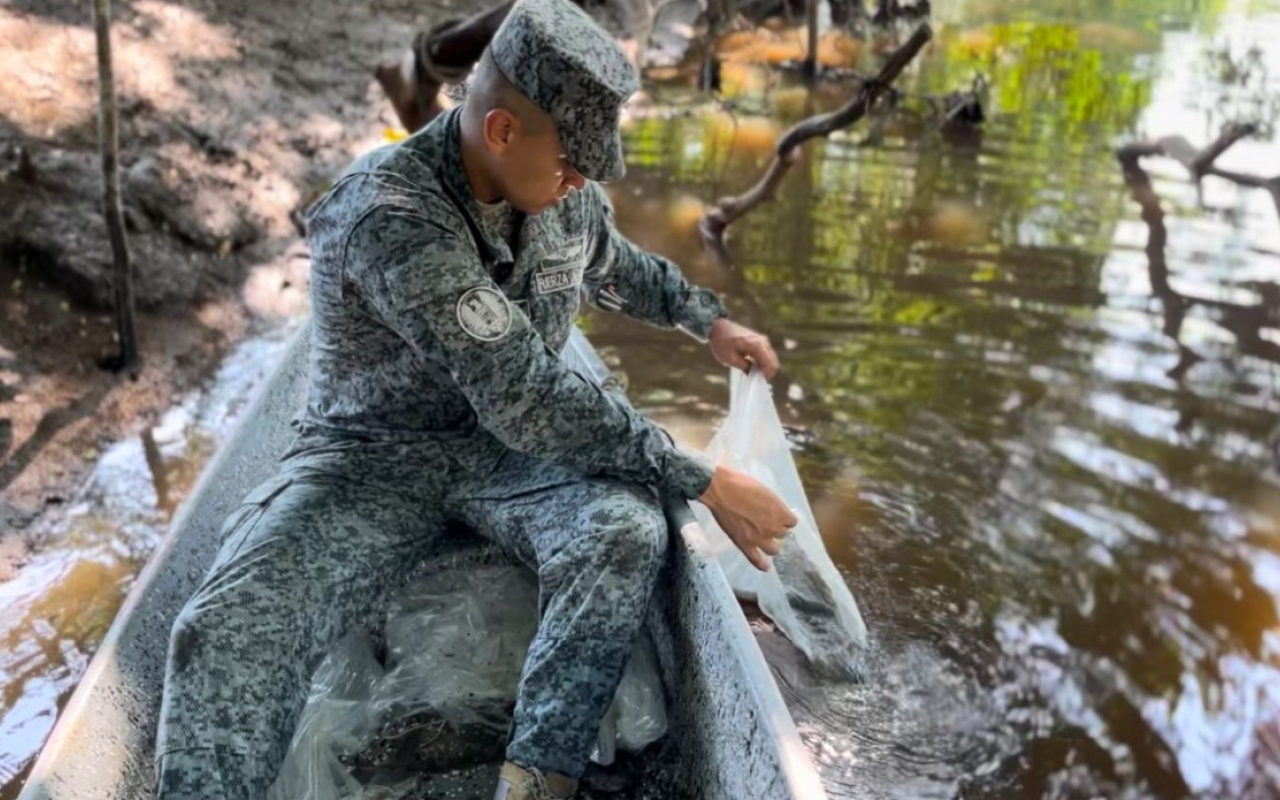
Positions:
(518, 783)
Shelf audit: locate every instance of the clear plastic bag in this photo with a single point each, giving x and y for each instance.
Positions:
(456, 641)
(803, 594)
(638, 715)
(336, 717)
(455, 645)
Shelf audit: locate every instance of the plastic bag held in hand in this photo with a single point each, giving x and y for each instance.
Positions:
(803, 594)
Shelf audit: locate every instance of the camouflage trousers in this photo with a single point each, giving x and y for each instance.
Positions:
(320, 545)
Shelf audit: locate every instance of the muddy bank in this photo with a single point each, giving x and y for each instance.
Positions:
(233, 115)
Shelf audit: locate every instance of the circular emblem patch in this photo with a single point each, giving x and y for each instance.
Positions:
(484, 314)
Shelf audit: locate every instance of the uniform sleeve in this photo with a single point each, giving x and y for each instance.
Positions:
(426, 282)
(624, 278)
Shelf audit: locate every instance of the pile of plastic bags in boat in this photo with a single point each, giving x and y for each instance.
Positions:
(372, 724)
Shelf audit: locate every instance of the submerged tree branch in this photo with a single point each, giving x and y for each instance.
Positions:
(1201, 162)
(1245, 322)
(714, 222)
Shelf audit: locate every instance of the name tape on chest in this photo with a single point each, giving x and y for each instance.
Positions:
(563, 270)
(558, 279)
(484, 314)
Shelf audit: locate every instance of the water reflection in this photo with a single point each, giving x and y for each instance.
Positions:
(1044, 423)
(1225, 733)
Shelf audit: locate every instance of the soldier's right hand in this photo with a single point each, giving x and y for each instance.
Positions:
(750, 513)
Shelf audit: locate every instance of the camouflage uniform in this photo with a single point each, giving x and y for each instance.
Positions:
(437, 394)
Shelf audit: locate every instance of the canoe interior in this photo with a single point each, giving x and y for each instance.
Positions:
(730, 734)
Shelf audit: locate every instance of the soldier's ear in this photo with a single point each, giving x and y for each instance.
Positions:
(499, 130)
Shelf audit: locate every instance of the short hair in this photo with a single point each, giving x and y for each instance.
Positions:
(487, 89)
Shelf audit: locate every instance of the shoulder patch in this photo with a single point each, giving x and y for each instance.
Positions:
(484, 314)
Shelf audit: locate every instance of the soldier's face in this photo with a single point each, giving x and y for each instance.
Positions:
(538, 173)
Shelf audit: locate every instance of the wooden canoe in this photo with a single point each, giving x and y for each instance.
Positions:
(730, 734)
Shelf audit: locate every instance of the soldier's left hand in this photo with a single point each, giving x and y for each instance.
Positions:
(738, 346)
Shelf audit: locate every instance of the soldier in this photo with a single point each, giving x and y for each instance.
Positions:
(446, 275)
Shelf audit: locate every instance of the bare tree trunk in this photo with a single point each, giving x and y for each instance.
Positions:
(810, 69)
(108, 138)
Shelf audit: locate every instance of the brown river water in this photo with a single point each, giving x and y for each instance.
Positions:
(1038, 420)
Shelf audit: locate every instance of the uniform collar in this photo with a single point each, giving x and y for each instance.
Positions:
(453, 177)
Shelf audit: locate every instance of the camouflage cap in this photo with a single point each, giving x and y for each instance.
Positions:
(571, 68)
